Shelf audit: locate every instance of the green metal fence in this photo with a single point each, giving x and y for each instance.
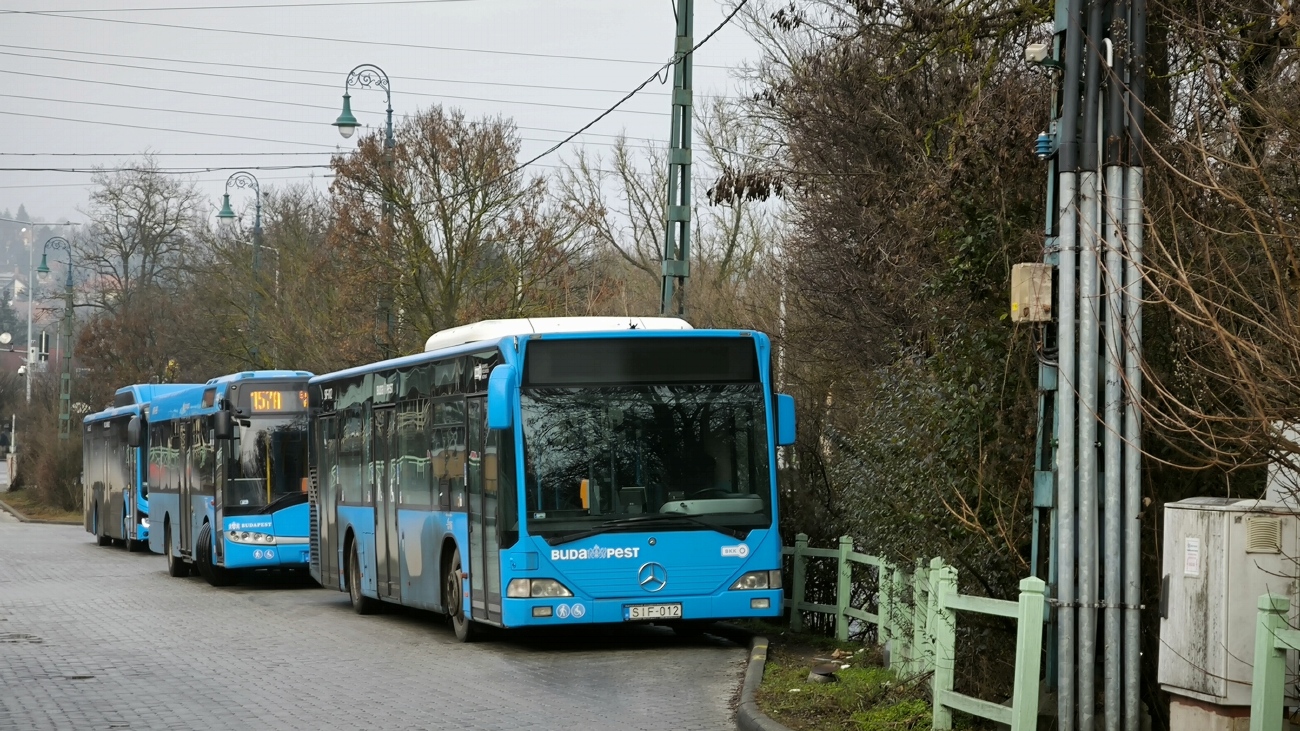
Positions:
(921, 634)
(1273, 637)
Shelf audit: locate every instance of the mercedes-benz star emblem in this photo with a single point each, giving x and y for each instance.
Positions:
(652, 577)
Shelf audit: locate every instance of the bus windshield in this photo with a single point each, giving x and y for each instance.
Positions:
(270, 461)
(592, 454)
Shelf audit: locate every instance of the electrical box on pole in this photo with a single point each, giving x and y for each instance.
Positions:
(677, 214)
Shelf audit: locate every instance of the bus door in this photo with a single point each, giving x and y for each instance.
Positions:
(180, 452)
(484, 561)
(389, 571)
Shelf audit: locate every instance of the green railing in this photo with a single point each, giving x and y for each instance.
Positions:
(922, 634)
(1273, 637)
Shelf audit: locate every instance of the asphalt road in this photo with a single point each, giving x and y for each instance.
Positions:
(98, 638)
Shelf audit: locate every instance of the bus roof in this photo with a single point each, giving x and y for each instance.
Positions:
(129, 400)
(257, 374)
(492, 330)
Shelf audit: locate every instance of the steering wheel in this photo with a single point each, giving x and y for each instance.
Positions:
(710, 492)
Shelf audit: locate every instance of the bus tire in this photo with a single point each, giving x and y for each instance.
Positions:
(100, 538)
(176, 566)
(361, 604)
(454, 599)
(215, 575)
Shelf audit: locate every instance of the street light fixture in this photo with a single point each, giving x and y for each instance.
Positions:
(245, 179)
(65, 379)
(368, 76)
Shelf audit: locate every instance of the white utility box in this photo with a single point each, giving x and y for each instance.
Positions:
(1220, 556)
(1031, 292)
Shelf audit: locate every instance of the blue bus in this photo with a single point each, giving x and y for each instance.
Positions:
(228, 471)
(115, 491)
(554, 471)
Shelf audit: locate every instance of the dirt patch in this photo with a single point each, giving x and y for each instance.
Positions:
(26, 503)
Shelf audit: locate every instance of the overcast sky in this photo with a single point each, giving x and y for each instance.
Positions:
(95, 82)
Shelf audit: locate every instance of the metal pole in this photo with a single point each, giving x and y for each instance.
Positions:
(65, 379)
(1066, 455)
(677, 215)
(1133, 223)
(257, 272)
(1089, 331)
(31, 290)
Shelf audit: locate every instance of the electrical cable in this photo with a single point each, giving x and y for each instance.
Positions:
(252, 99)
(740, 5)
(227, 64)
(335, 86)
(353, 41)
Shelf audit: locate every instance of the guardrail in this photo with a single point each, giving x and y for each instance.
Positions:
(922, 634)
(1273, 637)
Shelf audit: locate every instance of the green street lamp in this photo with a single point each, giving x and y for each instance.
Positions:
(368, 76)
(245, 179)
(65, 379)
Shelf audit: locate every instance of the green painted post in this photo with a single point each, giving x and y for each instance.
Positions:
(918, 661)
(1029, 654)
(797, 594)
(901, 646)
(843, 589)
(1270, 665)
(884, 604)
(943, 632)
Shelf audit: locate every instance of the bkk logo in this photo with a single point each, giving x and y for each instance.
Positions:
(569, 554)
(739, 551)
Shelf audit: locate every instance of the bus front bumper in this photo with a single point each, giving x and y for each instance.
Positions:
(286, 553)
(576, 610)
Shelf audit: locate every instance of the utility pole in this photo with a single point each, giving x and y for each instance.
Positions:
(1087, 489)
(677, 228)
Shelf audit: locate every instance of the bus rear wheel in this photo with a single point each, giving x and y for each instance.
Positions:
(454, 600)
(361, 604)
(175, 565)
(100, 538)
(215, 575)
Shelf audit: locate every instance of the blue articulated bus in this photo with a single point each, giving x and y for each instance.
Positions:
(115, 490)
(555, 471)
(228, 470)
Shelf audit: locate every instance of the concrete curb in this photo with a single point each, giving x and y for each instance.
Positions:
(748, 716)
(24, 519)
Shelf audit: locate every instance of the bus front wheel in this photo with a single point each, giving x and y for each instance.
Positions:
(361, 604)
(216, 575)
(454, 600)
(175, 565)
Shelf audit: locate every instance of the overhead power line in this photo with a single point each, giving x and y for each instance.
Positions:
(734, 11)
(188, 92)
(334, 86)
(246, 7)
(352, 41)
(163, 129)
(289, 69)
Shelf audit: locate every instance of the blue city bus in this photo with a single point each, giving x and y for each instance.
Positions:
(115, 491)
(228, 470)
(554, 471)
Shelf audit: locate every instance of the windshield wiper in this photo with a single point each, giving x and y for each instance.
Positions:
(639, 520)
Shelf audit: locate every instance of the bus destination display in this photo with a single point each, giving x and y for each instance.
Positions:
(265, 400)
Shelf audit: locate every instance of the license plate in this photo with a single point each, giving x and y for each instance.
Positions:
(653, 611)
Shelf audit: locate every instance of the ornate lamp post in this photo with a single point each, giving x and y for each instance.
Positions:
(244, 179)
(65, 380)
(368, 76)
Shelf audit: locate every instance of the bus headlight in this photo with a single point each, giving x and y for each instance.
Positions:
(536, 589)
(758, 580)
(144, 522)
(243, 536)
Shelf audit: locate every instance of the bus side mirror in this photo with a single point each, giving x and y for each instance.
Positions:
(222, 425)
(133, 432)
(784, 419)
(503, 392)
